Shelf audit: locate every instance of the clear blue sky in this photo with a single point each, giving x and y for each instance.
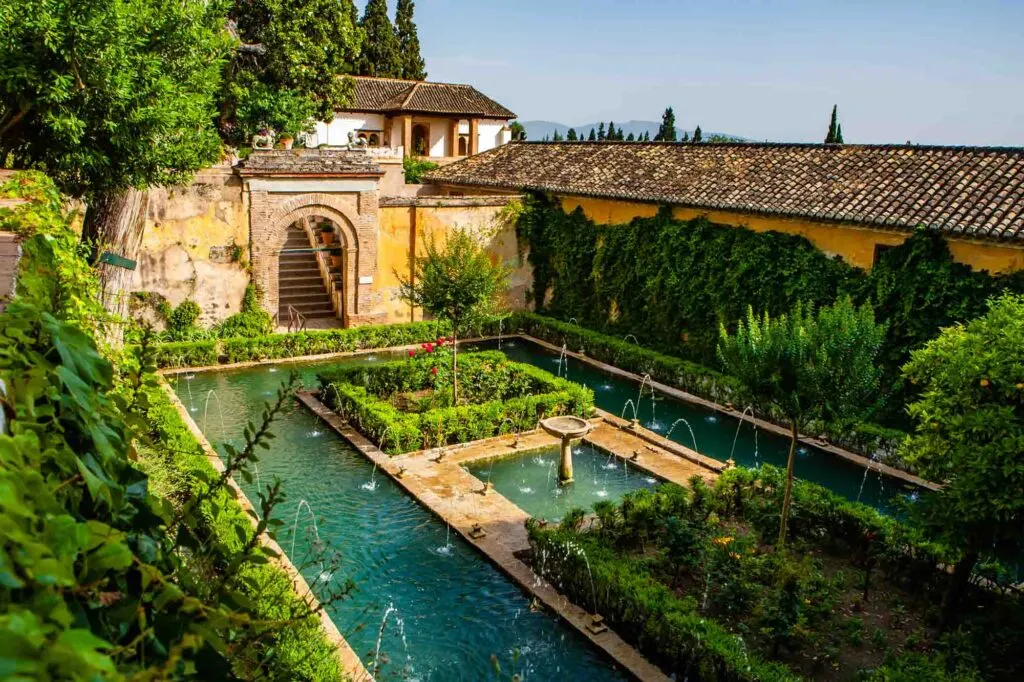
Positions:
(933, 72)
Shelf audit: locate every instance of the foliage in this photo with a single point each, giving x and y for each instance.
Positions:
(412, 65)
(667, 129)
(518, 131)
(380, 56)
(292, 65)
(181, 322)
(416, 168)
(251, 322)
(835, 131)
(673, 283)
(456, 282)
(53, 266)
(807, 366)
(667, 628)
(107, 96)
(514, 397)
(970, 435)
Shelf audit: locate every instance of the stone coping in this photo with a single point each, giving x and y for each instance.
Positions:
(448, 201)
(761, 423)
(351, 664)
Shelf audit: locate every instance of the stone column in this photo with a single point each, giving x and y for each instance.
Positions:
(453, 138)
(474, 136)
(407, 134)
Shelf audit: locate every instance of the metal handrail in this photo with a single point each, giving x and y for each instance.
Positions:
(296, 320)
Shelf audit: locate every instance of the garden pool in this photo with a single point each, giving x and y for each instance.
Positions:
(452, 610)
(530, 480)
(713, 432)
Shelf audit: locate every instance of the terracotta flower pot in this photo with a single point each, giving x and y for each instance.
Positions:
(287, 141)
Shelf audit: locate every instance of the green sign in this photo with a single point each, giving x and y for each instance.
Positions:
(117, 261)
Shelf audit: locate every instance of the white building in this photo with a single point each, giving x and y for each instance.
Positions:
(418, 118)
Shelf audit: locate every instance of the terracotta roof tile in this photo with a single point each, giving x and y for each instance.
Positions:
(971, 191)
(390, 95)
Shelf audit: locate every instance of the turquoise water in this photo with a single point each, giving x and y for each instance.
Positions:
(713, 432)
(452, 610)
(530, 480)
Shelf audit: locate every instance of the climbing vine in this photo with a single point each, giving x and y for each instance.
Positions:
(673, 282)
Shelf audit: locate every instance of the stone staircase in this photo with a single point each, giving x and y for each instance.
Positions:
(299, 281)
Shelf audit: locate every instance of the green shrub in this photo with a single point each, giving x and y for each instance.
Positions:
(181, 322)
(184, 354)
(667, 628)
(252, 321)
(518, 393)
(415, 169)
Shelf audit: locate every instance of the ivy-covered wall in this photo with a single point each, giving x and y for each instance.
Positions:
(672, 282)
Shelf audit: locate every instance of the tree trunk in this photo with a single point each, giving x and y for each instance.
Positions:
(115, 222)
(455, 369)
(788, 497)
(955, 591)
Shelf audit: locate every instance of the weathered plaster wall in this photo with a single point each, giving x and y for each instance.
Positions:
(407, 224)
(854, 244)
(188, 243)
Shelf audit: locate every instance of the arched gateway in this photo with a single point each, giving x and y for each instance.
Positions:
(291, 194)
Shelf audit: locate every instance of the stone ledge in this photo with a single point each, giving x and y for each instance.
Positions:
(448, 202)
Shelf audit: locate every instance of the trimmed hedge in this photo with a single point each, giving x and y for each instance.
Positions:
(176, 470)
(665, 627)
(360, 394)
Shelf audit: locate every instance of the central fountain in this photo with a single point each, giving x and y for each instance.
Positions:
(566, 428)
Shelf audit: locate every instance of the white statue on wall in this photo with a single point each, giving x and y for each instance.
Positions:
(355, 142)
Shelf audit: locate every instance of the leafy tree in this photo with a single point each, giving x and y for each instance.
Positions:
(697, 135)
(806, 366)
(601, 134)
(110, 98)
(667, 129)
(631, 137)
(380, 55)
(969, 435)
(571, 135)
(413, 67)
(518, 131)
(834, 135)
(290, 68)
(592, 137)
(457, 282)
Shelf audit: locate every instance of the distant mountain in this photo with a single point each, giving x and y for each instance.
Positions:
(536, 130)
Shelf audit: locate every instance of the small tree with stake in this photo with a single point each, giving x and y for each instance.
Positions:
(970, 435)
(807, 366)
(456, 282)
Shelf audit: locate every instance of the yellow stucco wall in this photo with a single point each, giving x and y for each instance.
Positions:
(189, 232)
(405, 230)
(855, 245)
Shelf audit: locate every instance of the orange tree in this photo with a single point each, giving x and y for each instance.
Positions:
(969, 435)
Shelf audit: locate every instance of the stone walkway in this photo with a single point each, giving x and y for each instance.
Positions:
(437, 479)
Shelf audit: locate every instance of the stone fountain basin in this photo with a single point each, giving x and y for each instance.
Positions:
(566, 426)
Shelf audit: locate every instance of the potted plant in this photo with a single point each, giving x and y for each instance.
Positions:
(264, 139)
(286, 140)
(336, 258)
(326, 233)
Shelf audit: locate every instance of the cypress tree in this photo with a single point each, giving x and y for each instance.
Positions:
(611, 130)
(647, 136)
(686, 136)
(839, 134)
(832, 137)
(630, 137)
(380, 55)
(667, 129)
(571, 135)
(556, 137)
(593, 136)
(600, 131)
(412, 64)
(697, 134)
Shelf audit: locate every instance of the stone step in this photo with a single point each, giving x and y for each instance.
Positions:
(309, 311)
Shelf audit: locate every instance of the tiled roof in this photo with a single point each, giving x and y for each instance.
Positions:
(389, 95)
(964, 191)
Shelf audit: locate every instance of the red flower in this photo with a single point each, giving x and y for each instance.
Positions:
(412, 352)
(433, 370)
(441, 341)
(430, 348)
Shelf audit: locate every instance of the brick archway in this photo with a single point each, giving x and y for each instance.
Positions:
(270, 218)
